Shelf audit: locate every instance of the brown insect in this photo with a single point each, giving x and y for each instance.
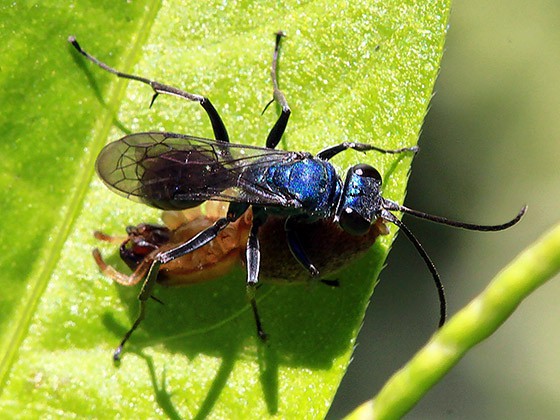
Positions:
(326, 243)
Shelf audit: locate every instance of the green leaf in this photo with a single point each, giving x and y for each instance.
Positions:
(355, 71)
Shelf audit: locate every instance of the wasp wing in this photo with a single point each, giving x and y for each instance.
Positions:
(175, 171)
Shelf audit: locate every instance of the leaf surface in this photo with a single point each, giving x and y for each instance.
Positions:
(352, 71)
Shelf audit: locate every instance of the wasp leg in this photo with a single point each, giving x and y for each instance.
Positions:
(332, 151)
(277, 131)
(220, 131)
(198, 241)
(294, 243)
(253, 256)
(235, 211)
(143, 297)
(121, 278)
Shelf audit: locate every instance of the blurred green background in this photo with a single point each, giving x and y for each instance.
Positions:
(490, 144)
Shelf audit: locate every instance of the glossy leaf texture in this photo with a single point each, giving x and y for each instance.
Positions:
(352, 71)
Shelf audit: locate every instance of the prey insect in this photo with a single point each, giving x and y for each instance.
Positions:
(175, 171)
(329, 247)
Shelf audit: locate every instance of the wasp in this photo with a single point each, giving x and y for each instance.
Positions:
(173, 171)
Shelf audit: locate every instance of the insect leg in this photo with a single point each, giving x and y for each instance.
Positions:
(100, 236)
(278, 130)
(234, 212)
(332, 151)
(294, 243)
(117, 276)
(220, 131)
(143, 297)
(253, 256)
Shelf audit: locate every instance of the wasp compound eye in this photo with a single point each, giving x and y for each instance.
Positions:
(366, 171)
(353, 222)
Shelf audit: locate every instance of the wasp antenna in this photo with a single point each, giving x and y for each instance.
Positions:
(391, 205)
(429, 263)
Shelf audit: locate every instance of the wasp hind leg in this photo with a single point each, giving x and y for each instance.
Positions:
(277, 131)
(220, 131)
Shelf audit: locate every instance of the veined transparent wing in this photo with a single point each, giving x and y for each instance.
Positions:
(176, 171)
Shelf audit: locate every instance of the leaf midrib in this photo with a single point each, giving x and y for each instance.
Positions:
(72, 209)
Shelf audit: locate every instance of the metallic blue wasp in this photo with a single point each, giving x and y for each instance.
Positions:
(174, 171)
